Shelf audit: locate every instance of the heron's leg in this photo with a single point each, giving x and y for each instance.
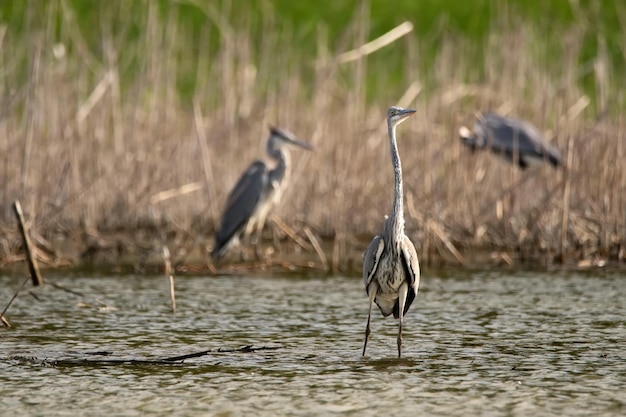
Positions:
(259, 237)
(372, 289)
(403, 291)
(275, 238)
(257, 244)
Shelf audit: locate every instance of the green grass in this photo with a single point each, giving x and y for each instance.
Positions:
(435, 21)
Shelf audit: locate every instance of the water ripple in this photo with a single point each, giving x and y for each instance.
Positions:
(477, 344)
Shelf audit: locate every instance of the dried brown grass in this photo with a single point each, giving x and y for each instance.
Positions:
(85, 148)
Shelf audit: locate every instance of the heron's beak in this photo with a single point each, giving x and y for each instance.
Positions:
(301, 144)
(290, 138)
(405, 114)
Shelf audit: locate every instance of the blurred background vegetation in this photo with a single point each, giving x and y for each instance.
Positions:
(105, 104)
(205, 23)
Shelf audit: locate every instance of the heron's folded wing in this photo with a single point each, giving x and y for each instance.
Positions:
(242, 201)
(371, 258)
(412, 270)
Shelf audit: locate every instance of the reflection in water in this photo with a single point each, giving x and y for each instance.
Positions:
(478, 344)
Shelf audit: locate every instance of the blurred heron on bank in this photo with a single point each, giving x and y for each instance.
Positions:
(391, 271)
(258, 190)
(516, 140)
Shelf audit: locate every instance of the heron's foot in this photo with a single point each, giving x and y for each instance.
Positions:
(256, 241)
(399, 345)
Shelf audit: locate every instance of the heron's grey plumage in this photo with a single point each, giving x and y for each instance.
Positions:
(257, 191)
(516, 140)
(391, 271)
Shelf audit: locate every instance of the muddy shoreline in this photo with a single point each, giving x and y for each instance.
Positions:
(142, 252)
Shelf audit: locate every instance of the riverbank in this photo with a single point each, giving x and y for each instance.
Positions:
(284, 250)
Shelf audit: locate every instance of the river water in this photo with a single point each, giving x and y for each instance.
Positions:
(475, 344)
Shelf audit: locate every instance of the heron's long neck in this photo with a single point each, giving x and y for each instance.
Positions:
(278, 154)
(281, 166)
(396, 219)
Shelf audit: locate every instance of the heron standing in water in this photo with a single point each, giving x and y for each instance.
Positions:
(516, 140)
(391, 271)
(257, 191)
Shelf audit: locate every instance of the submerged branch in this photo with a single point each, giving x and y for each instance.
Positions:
(172, 360)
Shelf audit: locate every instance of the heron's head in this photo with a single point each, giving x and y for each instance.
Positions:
(397, 115)
(284, 137)
(468, 138)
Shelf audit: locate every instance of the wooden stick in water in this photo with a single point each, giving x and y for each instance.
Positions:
(4, 320)
(31, 257)
(168, 272)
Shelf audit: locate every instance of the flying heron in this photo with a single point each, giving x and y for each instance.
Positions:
(391, 271)
(256, 192)
(516, 140)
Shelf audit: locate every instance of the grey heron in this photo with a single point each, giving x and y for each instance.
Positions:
(257, 191)
(516, 140)
(391, 271)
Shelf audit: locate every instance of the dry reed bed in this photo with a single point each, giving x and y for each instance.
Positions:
(88, 152)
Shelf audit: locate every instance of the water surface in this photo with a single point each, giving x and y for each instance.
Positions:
(482, 343)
